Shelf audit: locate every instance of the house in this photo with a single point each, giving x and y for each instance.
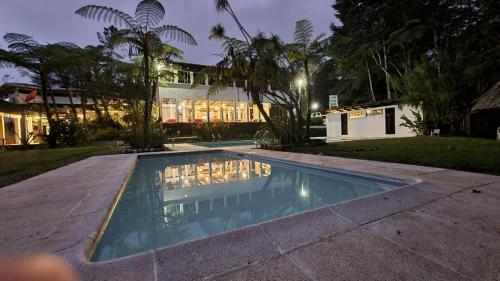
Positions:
(485, 115)
(183, 102)
(22, 114)
(178, 100)
(369, 121)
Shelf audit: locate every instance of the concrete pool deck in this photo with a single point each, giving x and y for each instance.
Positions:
(446, 227)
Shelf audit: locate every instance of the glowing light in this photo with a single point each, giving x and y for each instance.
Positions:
(315, 106)
(303, 192)
(300, 82)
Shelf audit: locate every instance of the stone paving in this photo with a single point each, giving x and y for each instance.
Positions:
(446, 226)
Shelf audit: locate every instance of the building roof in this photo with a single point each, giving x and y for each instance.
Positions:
(490, 100)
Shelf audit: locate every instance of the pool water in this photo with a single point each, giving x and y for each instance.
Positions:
(226, 143)
(173, 199)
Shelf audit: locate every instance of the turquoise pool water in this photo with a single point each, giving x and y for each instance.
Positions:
(226, 143)
(172, 199)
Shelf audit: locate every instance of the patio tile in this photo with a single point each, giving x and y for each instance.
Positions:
(292, 232)
(370, 208)
(472, 253)
(465, 179)
(138, 267)
(465, 214)
(441, 188)
(359, 255)
(488, 195)
(218, 254)
(279, 269)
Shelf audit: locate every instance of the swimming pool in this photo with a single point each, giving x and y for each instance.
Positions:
(177, 198)
(226, 143)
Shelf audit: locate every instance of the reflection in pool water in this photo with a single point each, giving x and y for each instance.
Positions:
(170, 200)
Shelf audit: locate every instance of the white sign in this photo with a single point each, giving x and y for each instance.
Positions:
(334, 101)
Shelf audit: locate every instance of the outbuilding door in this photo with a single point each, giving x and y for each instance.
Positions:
(390, 121)
(343, 124)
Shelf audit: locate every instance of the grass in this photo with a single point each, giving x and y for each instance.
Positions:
(16, 166)
(465, 154)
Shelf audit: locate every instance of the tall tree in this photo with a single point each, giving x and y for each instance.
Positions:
(140, 33)
(36, 60)
(307, 49)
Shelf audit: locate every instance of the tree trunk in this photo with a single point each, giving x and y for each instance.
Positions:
(370, 80)
(52, 141)
(147, 94)
(387, 77)
(72, 105)
(256, 99)
(54, 103)
(308, 103)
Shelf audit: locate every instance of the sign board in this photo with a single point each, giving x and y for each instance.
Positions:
(334, 101)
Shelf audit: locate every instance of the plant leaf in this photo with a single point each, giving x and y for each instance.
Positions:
(149, 13)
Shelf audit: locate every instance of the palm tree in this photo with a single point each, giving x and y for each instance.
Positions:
(307, 50)
(140, 33)
(35, 60)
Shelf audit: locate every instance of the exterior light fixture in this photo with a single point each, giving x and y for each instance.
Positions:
(315, 106)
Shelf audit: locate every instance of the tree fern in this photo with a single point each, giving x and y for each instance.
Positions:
(149, 13)
(107, 15)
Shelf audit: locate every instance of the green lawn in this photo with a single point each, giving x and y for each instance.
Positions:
(466, 154)
(16, 166)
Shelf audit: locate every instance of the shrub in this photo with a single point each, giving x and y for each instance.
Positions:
(317, 121)
(65, 132)
(136, 139)
(417, 126)
(204, 131)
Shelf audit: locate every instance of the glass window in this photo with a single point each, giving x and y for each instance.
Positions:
(184, 77)
(201, 111)
(168, 110)
(242, 112)
(11, 130)
(228, 111)
(186, 113)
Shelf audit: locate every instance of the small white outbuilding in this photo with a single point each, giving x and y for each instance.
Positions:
(372, 121)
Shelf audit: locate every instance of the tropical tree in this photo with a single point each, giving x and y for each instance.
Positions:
(307, 49)
(140, 33)
(37, 61)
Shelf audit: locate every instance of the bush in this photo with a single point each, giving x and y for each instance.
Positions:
(417, 126)
(204, 131)
(317, 121)
(136, 139)
(68, 133)
(106, 134)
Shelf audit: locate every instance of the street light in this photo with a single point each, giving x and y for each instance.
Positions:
(315, 106)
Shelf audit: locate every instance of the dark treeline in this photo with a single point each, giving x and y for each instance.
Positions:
(441, 54)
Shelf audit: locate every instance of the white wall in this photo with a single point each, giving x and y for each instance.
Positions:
(369, 127)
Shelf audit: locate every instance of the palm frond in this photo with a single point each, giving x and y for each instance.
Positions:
(304, 30)
(217, 32)
(107, 15)
(12, 38)
(149, 13)
(221, 5)
(175, 33)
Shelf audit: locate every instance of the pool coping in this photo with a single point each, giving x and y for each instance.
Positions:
(425, 187)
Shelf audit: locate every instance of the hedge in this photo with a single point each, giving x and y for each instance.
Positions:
(204, 131)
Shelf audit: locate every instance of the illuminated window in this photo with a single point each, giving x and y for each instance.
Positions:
(356, 114)
(373, 112)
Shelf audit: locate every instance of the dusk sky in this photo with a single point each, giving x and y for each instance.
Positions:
(55, 21)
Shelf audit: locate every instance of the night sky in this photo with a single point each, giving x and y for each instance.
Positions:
(55, 21)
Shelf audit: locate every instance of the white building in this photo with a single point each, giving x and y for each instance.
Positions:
(369, 122)
(183, 103)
